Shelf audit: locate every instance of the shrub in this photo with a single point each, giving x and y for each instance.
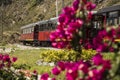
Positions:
(65, 55)
(87, 54)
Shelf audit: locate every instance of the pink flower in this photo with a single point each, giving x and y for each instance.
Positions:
(61, 44)
(55, 71)
(65, 19)
(84, 66)
(71, 29)
(72, 74)
(1, 66)
(111, 49)
(87, 45)
(6, 58)
(95, 74)
(53, 36)
(89, 16)
(85, 1)
(97, 59)
(76, 4)
(61, 64)
(90, 6)
(54, 44)
(35, 72)
(44, 76)
(106, 64)
(14, 59)
(62, 18)
(1, 56)
(68, 11)
(53, 79)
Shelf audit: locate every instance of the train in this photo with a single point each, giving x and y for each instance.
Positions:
(109, 16)
(38, 33)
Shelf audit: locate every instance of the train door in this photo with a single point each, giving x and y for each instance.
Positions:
(97, 23)
(36, 32)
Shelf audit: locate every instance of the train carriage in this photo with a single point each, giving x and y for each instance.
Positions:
(111, 14)
(38, 33)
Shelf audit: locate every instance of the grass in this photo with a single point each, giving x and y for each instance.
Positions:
(29, 57)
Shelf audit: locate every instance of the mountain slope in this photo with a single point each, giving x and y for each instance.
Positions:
(16, 13)
(22, 12)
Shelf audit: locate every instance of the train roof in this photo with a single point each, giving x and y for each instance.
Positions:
(39, 22)
(109, 9)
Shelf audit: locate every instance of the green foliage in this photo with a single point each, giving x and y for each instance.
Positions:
(22, 66)
(108, 55)
(9, 75)
(87, 54)
(57, 55)
(65, 55)
(3, 43)
(115, 60)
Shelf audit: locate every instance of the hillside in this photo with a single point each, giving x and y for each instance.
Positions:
(16, 13)
(22, 12)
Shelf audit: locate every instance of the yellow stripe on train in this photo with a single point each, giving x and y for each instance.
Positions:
(117, 40)
(29, 39)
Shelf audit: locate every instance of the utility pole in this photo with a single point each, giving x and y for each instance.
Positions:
(62, 3)
(1, 23)
(56, 8)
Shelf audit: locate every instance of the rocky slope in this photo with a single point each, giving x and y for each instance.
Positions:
(16, 13)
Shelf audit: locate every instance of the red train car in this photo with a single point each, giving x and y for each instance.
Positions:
(38, 33)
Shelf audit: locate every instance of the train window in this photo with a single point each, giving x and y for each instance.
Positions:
(119, 20)
(46, 27)
(32, 29)
(26, 30)
(111, 22)
(53, 26)
(113, 14)
(115, 21)
(23, 31)
(41, 27)
(49, 26)
(95, 24)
